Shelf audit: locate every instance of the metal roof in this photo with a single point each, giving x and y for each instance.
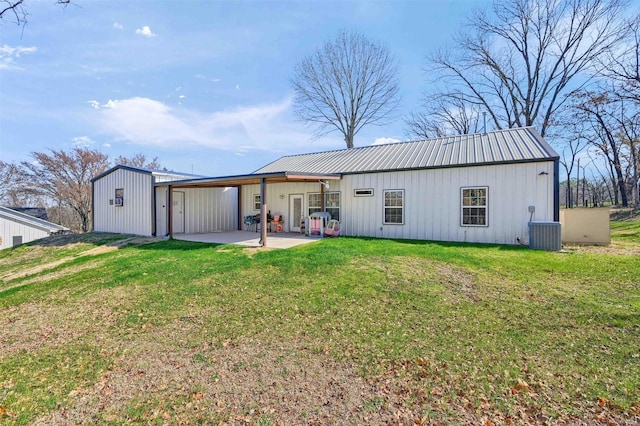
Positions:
(497, 147)
(250, 179)
(177, 175)
(30, 220)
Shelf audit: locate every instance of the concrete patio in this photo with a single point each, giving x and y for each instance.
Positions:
(248, 238)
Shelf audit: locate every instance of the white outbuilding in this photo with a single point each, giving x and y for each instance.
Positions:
(18, 228)
(132, 200)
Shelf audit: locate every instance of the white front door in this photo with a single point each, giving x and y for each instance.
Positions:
(295, 212)
(178, 212)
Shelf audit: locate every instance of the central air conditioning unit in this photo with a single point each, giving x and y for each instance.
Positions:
(545, 236)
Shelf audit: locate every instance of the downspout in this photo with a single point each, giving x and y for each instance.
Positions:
(556, 190)
(153, 206)
(170, 211)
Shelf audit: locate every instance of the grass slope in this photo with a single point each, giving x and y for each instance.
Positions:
(101, 329)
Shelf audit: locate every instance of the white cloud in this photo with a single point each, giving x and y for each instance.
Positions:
(382, 141)
(145, 31)
(182, 96)
(242, 129)
(83, 141)
(237, 87)
(118, 26)
(94, 104)
(8, 55)
(106, 145)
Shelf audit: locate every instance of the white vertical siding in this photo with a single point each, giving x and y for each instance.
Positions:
(210, 209)
(432, 202)
(135, 216)
(10, 228)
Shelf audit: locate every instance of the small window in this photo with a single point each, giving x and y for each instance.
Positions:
(257, 204)
(474, 206)
(363, 192)
(119, 198)
(393, 206)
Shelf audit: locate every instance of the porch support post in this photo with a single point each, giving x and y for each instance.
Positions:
(170, 210)
(240, 218)
(322, 208)
(263, 212)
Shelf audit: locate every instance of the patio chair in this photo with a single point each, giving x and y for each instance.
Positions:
(249, 222)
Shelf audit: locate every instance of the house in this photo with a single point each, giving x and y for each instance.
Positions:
(482, 188)
(18, 228)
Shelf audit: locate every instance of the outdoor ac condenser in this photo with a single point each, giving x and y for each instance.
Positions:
(545, 236)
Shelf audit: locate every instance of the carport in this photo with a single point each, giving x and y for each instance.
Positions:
(263, 179)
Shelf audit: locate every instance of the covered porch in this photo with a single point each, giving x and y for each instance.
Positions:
(261, 181)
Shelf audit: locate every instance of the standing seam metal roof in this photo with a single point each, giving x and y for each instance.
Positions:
(501, 146)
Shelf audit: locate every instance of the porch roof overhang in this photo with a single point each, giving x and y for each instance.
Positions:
(250, 179)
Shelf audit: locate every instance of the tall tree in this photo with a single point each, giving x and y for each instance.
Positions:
(65, 178)
(139, 160)
(16, 10)
(348, 83)
(7, 178)
(518, 61)
(444, 116)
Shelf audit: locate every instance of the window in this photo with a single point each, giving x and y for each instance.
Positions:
(257, 205)
(363, 192)
(393, 206)
(315, 203)
(331, 203)
(119, 198)
(474, 206)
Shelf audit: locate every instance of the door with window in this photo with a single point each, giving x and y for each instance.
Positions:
(295, 212)
(178, 213)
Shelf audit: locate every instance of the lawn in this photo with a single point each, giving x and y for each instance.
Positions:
(103, 329)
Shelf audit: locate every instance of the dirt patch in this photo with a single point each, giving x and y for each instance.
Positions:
(32, 326)
(460, 284)
(244, 382)
(612, 249)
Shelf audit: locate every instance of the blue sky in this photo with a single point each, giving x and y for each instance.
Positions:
(202, 85)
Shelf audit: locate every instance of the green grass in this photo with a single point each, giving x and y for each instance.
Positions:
(492, 331)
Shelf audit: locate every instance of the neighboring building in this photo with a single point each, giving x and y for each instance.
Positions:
(482, 188)
(18, 228)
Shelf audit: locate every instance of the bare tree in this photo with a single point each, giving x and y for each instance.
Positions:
(348, 83)
(139, 160)
(519, 61)
(612, 130)
(16, 9)
(7, 180)
(65, 178)
(443, 116)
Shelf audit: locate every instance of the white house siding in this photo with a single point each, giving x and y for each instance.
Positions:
(205, 210)
(10, 228)
(210, 209)
(136, 214)
(432, 202)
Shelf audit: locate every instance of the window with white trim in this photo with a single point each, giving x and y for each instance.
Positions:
(393, 206)
(257, 204)
(474, 206)
(331, 203)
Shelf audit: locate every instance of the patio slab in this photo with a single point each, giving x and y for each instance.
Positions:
(247, 238)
